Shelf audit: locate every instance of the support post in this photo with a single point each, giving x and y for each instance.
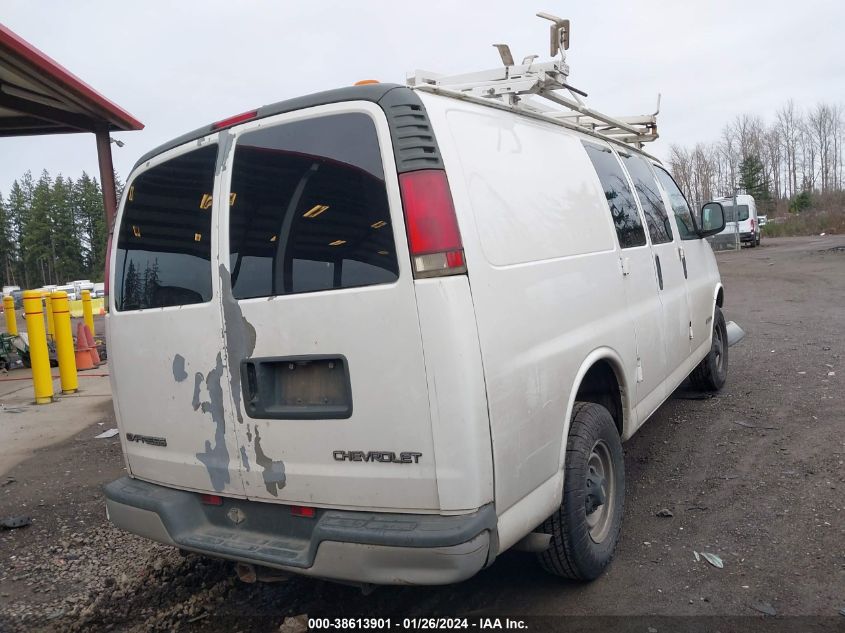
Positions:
(109, 194)
(42, 381)
(64, 342)
(11, 320)
(87, 312)
(107, 176)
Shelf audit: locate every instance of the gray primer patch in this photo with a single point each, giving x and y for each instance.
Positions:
(179, 373)
(224, 141)
(198, 380)
(216, 458)
(274, 471)
(244, 459)
(238, 334)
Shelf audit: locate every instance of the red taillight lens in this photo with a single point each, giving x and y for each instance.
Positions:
(433, 236)
(234, 120)
(752, 224)
(211, 500)
(302, 511)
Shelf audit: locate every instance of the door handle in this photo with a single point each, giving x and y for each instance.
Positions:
(659, 271)
(683, 257)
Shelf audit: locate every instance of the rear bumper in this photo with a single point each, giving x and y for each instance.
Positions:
(748, 237)
(359, 547)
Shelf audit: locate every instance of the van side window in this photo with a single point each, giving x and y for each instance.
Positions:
(620, 198)
(163, 253)
(308, 209)
(683, 216)
(651, 201)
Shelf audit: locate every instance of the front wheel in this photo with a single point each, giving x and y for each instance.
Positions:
(712, 372)
(585, 529)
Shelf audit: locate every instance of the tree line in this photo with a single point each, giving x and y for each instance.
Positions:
(52, 230)
(790, 159)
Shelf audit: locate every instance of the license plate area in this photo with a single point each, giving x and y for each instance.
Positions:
(297, 387)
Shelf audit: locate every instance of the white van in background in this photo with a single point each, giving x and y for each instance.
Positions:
(743, 219)
(385, 326)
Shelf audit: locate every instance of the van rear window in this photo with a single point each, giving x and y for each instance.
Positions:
(163, 253)
(308, 209)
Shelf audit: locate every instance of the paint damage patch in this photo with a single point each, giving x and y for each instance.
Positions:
(216, 457)
(274, 470)
(244, 459)
(199, 379)
(239, 335)
(179, 373)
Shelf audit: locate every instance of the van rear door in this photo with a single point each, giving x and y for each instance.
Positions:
(325, 357)
(164, 329)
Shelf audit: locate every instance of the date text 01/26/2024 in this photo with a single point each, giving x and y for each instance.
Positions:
(429, 624)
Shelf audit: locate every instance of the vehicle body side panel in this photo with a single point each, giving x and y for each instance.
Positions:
(537, 320)
(456, 392)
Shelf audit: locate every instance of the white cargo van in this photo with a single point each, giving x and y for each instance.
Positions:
(382, 334)
(742, 220)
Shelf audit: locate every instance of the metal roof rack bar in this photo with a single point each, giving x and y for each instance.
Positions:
(531, 87)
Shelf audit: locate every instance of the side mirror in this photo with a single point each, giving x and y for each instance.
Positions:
(712, 219)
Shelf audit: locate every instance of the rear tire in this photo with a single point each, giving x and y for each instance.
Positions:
(712, 372)
(585, 529)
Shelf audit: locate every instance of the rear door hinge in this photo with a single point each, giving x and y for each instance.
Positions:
(626, 266)
(690, 331)
(639, 370)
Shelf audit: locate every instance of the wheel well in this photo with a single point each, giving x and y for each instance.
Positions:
(600, 385)
(720, 297)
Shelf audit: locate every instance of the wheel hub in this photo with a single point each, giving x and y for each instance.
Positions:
(599, 490)
(595, 491)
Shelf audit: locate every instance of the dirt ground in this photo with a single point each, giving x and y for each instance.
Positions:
(755, 475)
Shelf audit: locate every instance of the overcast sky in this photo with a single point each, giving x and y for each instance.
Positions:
(177, 65)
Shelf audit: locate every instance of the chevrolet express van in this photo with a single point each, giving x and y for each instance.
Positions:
(382, 335)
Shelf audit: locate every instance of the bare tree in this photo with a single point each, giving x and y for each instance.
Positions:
(788, 125)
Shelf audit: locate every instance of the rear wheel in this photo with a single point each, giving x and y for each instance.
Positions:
(712, 372)
(585, 529)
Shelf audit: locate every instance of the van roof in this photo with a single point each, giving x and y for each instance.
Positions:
(413, 141)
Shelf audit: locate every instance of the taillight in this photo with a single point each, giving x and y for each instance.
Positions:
(234, 120)
(433, 236)
(211, 500)
(752, 225)
(303, 511)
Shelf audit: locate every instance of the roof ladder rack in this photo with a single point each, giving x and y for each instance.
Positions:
(531, 87)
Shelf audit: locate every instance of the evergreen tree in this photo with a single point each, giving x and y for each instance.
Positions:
(18, 207)
(88, 209)
(151, 283)
(131, 288)
(37, 245)
(752, 178)
(66, 232)
(7, 245)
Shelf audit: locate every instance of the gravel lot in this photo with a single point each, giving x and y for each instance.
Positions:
(755, 475)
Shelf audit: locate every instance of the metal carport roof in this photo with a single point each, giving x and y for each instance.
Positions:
(40, 96)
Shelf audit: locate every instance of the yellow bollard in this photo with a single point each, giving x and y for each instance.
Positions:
(64, 342)
(51, 326)
(87, 312)
(42, 381)
(11, 321)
